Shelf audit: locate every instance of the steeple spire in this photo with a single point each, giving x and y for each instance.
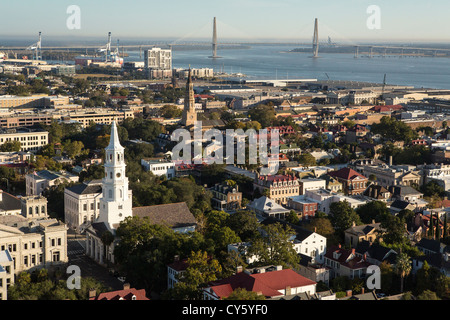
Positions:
(189, 114)
(114, 142)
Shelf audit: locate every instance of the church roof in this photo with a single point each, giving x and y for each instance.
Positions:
(173, 215)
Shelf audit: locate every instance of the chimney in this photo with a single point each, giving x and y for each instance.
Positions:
(362, 290)
(239, 269)
(176, 258)
(390, 160)
(349, 293)
(373, 221)
(126, 286)
(288, 291)
(92, 293)
(339, 245)
(353, 250)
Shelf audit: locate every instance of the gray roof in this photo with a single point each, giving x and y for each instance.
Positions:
(173, 215)
(86, 188)
(9, 202)
(99, 228)
(364, 229)
(432, 245)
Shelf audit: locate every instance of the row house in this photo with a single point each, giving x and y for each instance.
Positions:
(279, 187)
(353, 183)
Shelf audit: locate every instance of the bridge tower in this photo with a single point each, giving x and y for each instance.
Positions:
(316, 39)
(214, 40)
(39, 48)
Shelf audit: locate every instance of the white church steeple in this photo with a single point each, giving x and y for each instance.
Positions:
(116, 201)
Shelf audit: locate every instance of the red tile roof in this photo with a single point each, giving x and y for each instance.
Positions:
(346, 259)
(387, 108)
(268, 283)
(126, 294)
(346, 173)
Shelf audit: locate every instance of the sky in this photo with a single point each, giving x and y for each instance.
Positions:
(243, 20)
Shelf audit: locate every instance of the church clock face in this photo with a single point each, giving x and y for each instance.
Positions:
(118, 175)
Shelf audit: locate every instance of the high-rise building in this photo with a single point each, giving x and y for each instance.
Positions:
(189, 114)
(158, 62)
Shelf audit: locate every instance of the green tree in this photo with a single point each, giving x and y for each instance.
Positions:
(292, 217)
(199, 272)
(387, 276)
(394, 230)
(306, 160)
(264, 114)
(374, 210)
(428, 295)
(171, 111)
(73, 148)
(343, 216)
(11, 146)
(423, 277)
(392, 129)
(322, 226)
(274, 246)
(244, 224)
(402, 267)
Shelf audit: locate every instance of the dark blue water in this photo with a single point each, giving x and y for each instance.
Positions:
(274, 62)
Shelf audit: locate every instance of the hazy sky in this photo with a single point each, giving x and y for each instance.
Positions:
(182, 20)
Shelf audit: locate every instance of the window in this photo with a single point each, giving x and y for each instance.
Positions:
(59, 241)
(53, 242)
(55, 256)
(85, 207)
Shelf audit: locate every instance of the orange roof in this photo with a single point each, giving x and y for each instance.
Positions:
(126, 294)
(268, 283)
(346, 173)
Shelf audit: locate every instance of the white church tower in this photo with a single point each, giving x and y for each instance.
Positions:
(116, 201)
